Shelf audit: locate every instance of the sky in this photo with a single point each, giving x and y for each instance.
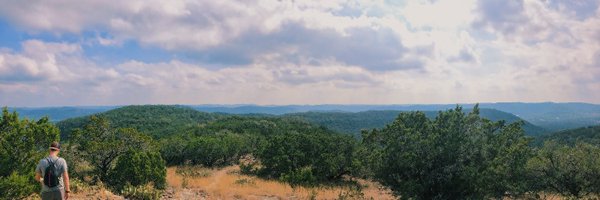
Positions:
(276, 52)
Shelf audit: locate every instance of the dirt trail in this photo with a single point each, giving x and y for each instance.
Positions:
(227, 183)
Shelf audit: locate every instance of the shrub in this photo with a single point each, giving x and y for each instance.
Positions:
(307, 158)
(303, 176)
(138, 169)
(210, 150)
(17, 186)
(571, 171)
(455, 156)
(24, 142)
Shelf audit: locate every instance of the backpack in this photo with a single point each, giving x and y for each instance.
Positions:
(50, 175)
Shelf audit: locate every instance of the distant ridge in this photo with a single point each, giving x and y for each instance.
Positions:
(353, 123)
(548, 115)
(158, 120)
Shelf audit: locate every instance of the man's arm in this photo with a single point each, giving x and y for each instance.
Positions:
(38, 177)
(38, 173)
(66, 179)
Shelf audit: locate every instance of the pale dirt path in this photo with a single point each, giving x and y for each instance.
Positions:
(226, 183)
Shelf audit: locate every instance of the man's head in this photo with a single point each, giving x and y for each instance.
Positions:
(54, 147)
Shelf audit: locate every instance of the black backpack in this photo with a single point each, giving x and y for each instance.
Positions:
(50, 175)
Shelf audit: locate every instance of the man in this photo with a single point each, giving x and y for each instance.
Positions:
(61, 190)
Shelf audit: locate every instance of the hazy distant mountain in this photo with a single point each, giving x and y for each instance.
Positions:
(60, 113)
(161, 120)
(353, 123)
(550, 116)
(553, 116)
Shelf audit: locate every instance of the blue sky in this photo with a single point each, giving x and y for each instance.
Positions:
(99, 52)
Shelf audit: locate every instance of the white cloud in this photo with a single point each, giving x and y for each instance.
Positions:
(280, 52)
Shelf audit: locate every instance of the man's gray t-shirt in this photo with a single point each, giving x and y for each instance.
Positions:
(61, 167)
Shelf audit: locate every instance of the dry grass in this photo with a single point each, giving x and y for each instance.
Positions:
(227, 184)
(93, 192)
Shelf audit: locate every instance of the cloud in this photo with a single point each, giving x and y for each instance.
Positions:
(72, 79)
(378, 50)
(230, 32)
(505, 16)
(580, 9)
(37, 61)
(280, 52)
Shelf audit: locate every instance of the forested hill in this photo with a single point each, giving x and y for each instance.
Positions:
(550, 116)
(353, 123)
(154, 120)
(162, 120)
(590, 134)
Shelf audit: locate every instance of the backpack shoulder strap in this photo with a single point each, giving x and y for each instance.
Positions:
(49, 160)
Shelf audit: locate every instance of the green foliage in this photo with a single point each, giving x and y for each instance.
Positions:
(303, 176)
(224, 141)
(455, 156)
(23, 143)
(101, 145)
(573, 171)
(307, 158)
(206, 150)
(138, 169)
(354, 123)
(17, 186)
(590, 135)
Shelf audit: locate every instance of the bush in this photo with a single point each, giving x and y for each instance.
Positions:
(101, 145)
(24, 142)
(571, 171)
(212, 150)
(455, 156)
(18, 186)
(307, 158)
(138, 169)
(303, 176)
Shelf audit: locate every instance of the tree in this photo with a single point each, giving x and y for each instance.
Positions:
(307, 158)
(455, 156)
(572, 171)
(139, 168)
(101, 145)
(24, 143)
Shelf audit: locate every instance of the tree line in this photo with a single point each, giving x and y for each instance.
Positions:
(455, 155)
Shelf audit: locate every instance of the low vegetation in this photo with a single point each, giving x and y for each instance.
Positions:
(451, 155)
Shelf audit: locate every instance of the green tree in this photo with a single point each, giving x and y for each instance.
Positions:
(307, 158)
(137, 169)
(24, 143)
(101, 145)
(454, 156)
(573, 171)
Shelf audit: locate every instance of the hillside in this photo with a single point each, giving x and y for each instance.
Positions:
(160, 120)
(590, 134)
(353, 123)
(549, 116)
(553, 116)
(155, 120)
